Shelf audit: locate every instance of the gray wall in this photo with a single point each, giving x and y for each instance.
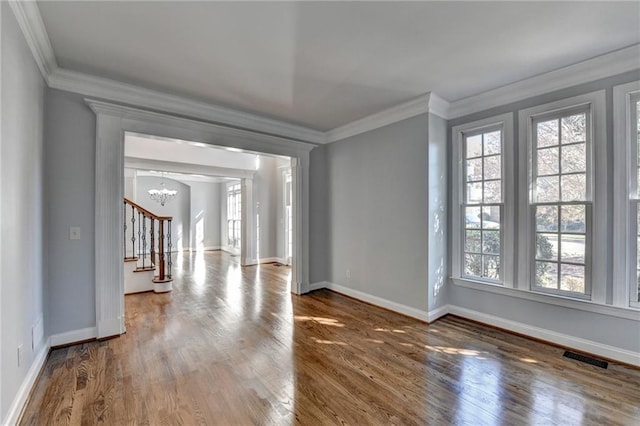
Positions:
(70, 186)
(318, 215)
(377, 204)
(438, 217)
(205, 209)
(22, 212)
(179, 208)
(608, 330)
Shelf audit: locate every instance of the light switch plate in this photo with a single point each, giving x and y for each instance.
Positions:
(74, 233)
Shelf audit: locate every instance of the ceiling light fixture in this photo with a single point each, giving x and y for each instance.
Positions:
(162, 195)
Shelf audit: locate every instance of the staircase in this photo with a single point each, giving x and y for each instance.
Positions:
(147, 250)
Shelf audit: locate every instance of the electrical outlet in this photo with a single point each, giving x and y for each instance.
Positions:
(74, 233)
(20, 355)
(348, 274)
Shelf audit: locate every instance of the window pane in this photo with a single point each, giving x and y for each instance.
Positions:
(547, 218)
(574, 158)
(548, 189)
(491, 242)
(574, 187)
(474, 192)
(492, 167)
(472, 241)
(573, 219)
(474, 170)
(493, 191)
(572, 247)
(491, 217)
(472, 217)
(572, 278)
(547, 246)
(474, 146)
(548, 161)
(492, 143)
(574, 128)
(547, 274)
(547, 132)
(473, 264)
(491, 267)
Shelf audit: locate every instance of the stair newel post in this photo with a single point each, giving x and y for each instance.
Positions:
(133, 231)
(161, 260)
(170, 262)
(144, 240)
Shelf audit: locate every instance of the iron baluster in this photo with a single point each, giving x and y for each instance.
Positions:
(144, 240)
(133, 231)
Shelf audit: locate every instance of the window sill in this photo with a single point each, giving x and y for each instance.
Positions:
(551, 299)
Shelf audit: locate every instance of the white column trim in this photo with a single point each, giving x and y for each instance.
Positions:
(113, 121)
(622, 239)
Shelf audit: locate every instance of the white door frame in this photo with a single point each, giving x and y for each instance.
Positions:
(112, 122)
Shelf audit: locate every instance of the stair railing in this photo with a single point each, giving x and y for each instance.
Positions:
(136, 238)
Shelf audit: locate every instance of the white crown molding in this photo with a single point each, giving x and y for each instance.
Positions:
(426, 103)
(28, 16)
(223, 133)
(416, 106)
(609, 64)
(112, 90)
(32, 26)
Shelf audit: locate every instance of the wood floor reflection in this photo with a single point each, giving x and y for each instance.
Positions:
(232, 346)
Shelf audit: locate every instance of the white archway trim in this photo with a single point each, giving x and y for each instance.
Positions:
(112, 122)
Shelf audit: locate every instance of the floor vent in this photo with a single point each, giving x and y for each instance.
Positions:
(587, 359)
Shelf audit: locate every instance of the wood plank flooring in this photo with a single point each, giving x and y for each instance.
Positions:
(232, 346)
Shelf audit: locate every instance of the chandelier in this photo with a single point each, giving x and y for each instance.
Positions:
(162, 195)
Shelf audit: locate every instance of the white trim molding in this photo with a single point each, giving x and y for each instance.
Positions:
(113, 122)
(116, 91)
(437, 313)
(609, 64)
(73, 336)
(552, 299)
(319, 285)
(379, 301)
(565, 340)
(623, 240)
(30, 21)
(17, 405)
(429, 102)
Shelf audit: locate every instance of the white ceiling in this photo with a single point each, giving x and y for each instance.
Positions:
(325, 64)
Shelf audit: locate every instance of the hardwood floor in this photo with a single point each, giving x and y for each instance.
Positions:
(231, 346)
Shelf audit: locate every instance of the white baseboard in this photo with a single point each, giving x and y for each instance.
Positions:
(319, 285)
(16, 407)
(437, 313)
(212, 248)
(252, 262)
(378, 301)
(577, 343)
(73, 336)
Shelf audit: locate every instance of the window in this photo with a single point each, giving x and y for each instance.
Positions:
(561, 200)
(563, 206)
(482, 204)
(234, 215)
(626, 290)
(482, 149)
(635, 197)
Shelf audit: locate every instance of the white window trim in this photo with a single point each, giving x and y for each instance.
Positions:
(505, 121)
(596, 101)
(624, 294)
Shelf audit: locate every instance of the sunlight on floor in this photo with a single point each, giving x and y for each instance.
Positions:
(324, 321)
